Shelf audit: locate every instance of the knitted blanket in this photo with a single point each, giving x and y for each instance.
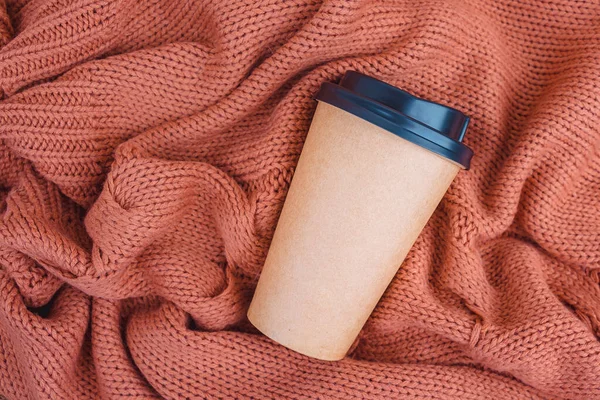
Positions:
(146, 150)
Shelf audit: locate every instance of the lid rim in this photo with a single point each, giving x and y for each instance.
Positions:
(395, 122)
(448, 121)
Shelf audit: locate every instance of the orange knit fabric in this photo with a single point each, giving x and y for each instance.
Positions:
(146, 149)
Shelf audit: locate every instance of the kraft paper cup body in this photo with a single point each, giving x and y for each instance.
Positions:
(358, 200)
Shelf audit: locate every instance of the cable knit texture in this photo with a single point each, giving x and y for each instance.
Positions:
(146, 148)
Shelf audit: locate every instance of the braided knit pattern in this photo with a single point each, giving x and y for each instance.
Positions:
(146, 148)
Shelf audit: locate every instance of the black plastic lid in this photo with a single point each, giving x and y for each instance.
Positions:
(432, 126)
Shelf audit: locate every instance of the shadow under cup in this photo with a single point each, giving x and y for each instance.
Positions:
(375, 165)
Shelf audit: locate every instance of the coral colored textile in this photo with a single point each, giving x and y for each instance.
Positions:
(146, 149)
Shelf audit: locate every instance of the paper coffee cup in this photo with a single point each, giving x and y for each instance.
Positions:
(375, 164)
